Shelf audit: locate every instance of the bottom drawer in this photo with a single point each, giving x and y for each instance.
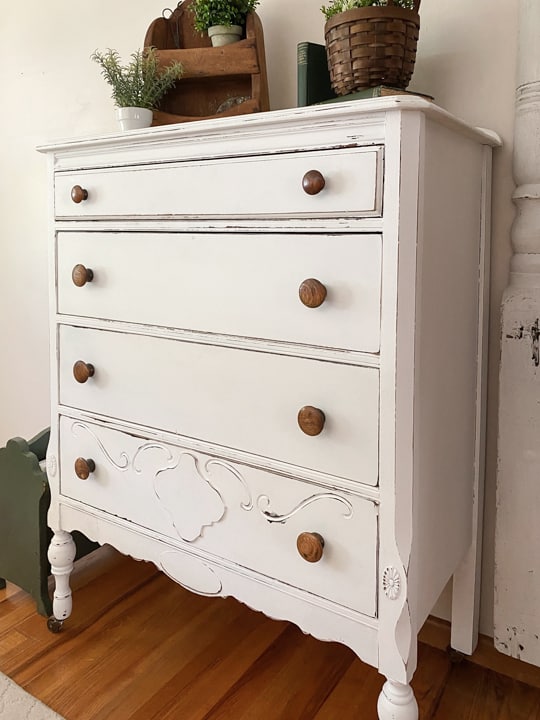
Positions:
(245, 515)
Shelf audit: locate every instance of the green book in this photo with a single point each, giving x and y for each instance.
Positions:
(313, 79)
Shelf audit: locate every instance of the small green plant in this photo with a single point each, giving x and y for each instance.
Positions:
(139, 83)
(339, 6)
(221, 12)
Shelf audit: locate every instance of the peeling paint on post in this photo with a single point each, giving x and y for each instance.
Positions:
(532, 333)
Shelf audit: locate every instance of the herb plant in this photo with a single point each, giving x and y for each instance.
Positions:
(221, 12)
(339, 6)
(139, 83)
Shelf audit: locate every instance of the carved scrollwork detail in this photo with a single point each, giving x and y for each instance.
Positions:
(263, 503)
(189, 496)
(124, 458)
(191, 573)
(170, 462)
(391, 582)
(190, 499)
(226, 466)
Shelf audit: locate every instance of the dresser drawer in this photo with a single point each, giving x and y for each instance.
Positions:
(241, 187)
(244, 515)
(238, 398)
(241, 285)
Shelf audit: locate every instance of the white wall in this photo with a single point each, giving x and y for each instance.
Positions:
(51, 90)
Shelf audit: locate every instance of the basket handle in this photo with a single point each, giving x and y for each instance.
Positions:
(416, 4)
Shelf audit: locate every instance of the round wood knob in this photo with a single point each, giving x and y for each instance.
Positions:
(82, 371)
(310, 546)
(81, 275)
(311, 420)
(313, 182)
(78, 194)
(312, 293)
(83, 468)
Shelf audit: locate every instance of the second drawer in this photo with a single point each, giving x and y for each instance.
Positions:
(231, 284)
(237, 398)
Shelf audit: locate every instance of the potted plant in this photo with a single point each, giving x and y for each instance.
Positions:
(222, 19)
(370, 42)
(138, 86)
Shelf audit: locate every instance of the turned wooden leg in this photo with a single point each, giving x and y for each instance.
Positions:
(61, 556)
(397, 702)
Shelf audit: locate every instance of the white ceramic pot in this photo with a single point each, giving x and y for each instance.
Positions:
(132, 118)
(224, 34)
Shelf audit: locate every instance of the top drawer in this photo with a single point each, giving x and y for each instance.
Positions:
(242, 187)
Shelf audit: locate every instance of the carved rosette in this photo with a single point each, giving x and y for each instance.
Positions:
(391, 582)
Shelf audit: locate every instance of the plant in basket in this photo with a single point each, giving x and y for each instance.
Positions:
(370, 42)
(222, 18)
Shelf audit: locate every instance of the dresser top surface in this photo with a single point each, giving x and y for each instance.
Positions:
(343, 113)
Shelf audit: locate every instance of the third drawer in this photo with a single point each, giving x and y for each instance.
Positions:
(245, 400)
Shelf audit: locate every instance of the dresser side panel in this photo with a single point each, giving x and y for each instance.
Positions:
(446, 360)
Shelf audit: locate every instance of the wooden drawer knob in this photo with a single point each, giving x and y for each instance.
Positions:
(313, 182)
(311, 420)
(81, 275)
(312, 293)
(83, 468)
(82, 371)
(78, 194)
(310, 546)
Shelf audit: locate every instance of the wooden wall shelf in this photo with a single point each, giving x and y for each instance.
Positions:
(217, 82)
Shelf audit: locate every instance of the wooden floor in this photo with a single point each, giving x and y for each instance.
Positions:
(139, 647)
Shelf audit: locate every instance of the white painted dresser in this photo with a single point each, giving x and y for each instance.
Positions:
(266, 335)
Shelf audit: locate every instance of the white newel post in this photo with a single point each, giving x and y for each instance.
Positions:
(517, 546)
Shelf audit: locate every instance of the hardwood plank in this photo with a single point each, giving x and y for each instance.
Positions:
(212, 668)
(355, 696)
(474, 693)
(436, 632)
(120, 640)
(10, 642)
(429, 681)
(291, 679)
(140, 647)
(90, 603)
(360, 686)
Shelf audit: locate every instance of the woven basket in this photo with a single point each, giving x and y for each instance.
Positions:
(372, 46)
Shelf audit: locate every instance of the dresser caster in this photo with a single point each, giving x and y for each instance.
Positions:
(54, 625)
(397, 702)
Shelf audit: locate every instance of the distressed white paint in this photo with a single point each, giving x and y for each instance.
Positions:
(61, 555)
(389, 482)
(470, 73)
(517, 554)
(205, 383)
(218, 295)
(228, 510)
(267, 186)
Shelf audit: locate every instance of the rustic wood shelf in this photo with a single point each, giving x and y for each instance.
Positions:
(217, 81)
